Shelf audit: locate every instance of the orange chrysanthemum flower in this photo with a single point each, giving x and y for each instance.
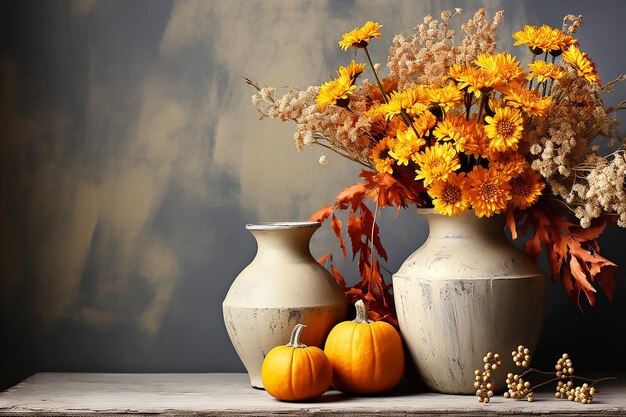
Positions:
(406, 145)
(504, 128)
(489, 191)
(526, 188)
(380, 155)
(390, 84)
(351, 71)
(360, 37)
(450, 196)
(544, 71)
(475, 80)
(334, 92)
(539, 39)
(509, 163)
(424, 123)
(436, 163)
(413, 101)
(528, 100)
(581, 63)
(503, 66)
(467, 135)
(445, 97)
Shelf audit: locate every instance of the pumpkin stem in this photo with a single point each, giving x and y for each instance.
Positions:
(361, 313)
(294, 341)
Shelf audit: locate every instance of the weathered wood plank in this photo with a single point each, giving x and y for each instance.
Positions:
(231, 394)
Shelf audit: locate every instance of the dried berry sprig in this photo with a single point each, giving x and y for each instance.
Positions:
(519, 387)
(484, 382)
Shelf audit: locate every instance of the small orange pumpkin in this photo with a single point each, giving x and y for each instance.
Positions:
(367, 356)
(296, 372)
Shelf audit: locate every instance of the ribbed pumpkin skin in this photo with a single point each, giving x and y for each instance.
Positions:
(366, 357)
(296, 373)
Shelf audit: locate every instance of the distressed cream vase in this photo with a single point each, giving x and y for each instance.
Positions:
(283, 286)
(467, 291)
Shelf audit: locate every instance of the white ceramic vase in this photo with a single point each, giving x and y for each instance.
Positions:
(283, 286)
(467, 291)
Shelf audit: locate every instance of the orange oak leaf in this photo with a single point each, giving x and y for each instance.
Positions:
(336, 225)
(355, 232)
(321, 214)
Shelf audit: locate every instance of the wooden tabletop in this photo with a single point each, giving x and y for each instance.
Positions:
(231, 394)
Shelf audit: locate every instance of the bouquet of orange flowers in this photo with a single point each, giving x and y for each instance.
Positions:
(457, 127)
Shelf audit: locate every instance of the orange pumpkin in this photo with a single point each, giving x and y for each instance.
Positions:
(367, 356)
(296, 372)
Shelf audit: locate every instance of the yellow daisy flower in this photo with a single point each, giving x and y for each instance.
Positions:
(380, 155)
(335, 92)
(504, 128)
(539, 39)
(488, 190)
(360, 37)
(526, 188)
(544, 71)
(581, 63)
(450, 196)
(445, 97)
(406, 145)
(351, 71)
(530, 101)
(436, 163)
(509, 163)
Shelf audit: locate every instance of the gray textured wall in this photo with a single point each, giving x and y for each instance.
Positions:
(131, 158)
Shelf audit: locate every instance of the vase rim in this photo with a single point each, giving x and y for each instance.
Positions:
(426, 210)
(282, 225)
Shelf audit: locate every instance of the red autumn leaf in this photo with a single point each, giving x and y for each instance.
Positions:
(510, 222)
(322, 259)
(573, 252)
(336, 225)
(568, 283)
(352, 195)
(580, 280)
(590, 233)
(355, 232)
(338, 277)
(606, 281)
(321, 214)
(371, 230)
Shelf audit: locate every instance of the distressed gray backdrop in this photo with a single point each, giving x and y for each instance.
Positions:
(131, 159)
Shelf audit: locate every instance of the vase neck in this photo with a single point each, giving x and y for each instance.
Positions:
(286, 240)
(465, 226)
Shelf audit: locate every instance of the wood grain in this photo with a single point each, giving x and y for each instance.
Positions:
(231, 394)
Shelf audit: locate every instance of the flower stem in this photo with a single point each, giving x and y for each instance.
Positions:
(372, 239)
(530, 84)
(341, 154)
(468, 105)
(483, 101)
(544, 383)
(380, 85)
